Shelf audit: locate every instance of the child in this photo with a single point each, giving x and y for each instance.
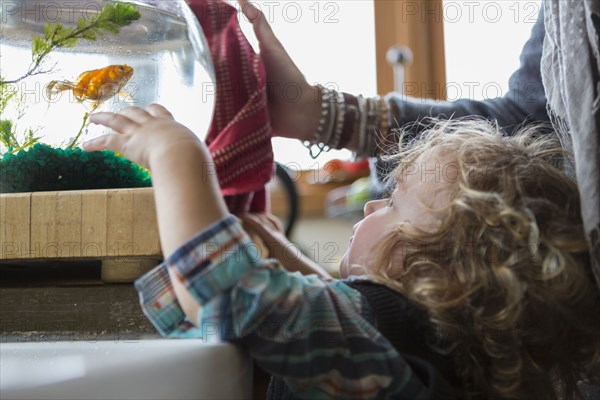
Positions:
(481, 241)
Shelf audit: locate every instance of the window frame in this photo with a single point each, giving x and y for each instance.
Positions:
(418, 25)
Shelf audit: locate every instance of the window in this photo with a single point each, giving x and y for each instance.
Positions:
(483, 40)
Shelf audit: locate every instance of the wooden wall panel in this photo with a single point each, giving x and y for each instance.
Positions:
(145, 236)
(91, 224)
(68, 223)
(119, 222)
(44, 243)
(15, 211)
(417, 24)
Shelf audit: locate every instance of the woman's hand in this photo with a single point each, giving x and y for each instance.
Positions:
(290, 117)
(142, 134)
(268, 228)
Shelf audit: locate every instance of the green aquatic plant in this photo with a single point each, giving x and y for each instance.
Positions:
(45, 168)
(7, 131)
(8, 128)
(78, 136)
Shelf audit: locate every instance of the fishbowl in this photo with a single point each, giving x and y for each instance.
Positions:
(62, 60)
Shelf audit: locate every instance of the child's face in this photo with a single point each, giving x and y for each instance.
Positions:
(414, 193)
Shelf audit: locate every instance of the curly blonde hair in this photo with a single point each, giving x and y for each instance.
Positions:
(505, 276)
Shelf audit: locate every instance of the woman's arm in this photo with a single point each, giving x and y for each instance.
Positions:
(524, 103)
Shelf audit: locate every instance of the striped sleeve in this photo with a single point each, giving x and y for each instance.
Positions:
(315, 333)
(159, 302)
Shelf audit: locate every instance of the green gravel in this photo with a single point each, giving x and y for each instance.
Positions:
(43, 168)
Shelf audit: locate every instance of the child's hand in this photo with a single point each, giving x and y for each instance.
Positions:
(142, 135)
(268, 228)
(186, 190)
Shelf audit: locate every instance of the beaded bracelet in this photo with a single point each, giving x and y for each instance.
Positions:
(384, 126)
(326, 123)
(362, 126)
(350, 128)
(339, 124)
(366, 129)
(373, 114)
(344, 116)
(377, 131)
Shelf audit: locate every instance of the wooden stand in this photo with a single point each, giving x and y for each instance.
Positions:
(116, 226)
(58, 297)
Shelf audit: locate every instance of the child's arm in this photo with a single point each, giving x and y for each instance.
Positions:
(314, 332)
(186, 191)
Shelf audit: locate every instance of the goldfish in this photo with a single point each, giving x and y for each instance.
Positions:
(97, 85)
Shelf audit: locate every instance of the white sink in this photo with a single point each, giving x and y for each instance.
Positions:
(146, 369)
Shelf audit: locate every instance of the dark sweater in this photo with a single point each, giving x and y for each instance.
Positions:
(407, 328)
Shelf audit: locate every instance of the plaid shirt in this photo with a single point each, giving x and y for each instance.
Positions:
(314, 332)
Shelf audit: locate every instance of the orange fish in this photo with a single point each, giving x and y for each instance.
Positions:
(97, 85)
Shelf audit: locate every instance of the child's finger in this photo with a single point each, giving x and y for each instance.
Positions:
(117, 122)
(254, 223)
(106, 142)
(249, 219)
(274, 221)
(262, 225)
(136, 114)
(159, 111)
(259, 220)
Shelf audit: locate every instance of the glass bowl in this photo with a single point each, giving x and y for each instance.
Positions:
(165, 48)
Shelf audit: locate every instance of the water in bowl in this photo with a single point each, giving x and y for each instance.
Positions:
(165, 47)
